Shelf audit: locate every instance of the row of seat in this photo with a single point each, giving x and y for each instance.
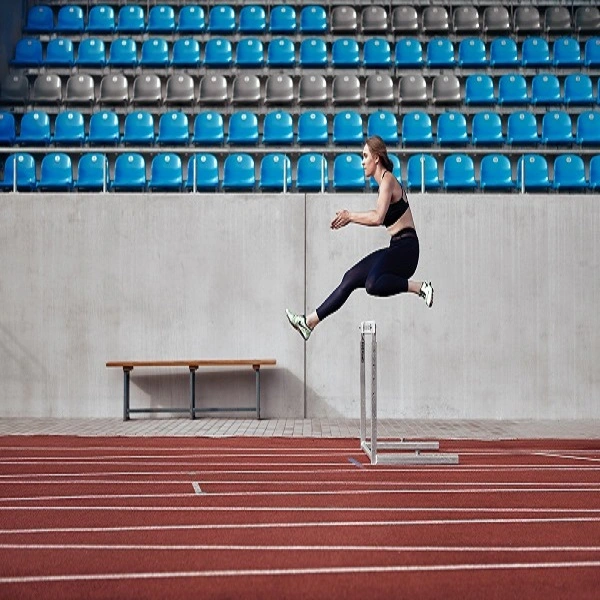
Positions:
(239, 172)
(281, 18)
(311, 52)
(316, 89)
(312, 128)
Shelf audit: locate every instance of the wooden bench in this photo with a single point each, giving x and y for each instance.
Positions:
(193, 366)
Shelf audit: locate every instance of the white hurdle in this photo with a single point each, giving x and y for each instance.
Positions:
(412, 452)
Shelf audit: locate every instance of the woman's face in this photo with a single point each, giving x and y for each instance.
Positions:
(368, 162)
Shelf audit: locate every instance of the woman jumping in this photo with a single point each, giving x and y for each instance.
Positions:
(384, 272)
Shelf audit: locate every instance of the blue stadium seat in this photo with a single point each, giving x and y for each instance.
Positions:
(130, 173)
(348, 172)
(312, 128)
(313, 52)
(173, 128)
(274, 170)
(486, 129)
(522, 129)
(594, 180)
(56, 173)
(377, 53)
(588, 128)
(104, 128)
(138, 128)
(69, 128)
(459, 172)
(28, 53)
(191, 20)
(8, 129)
(161, 19)
(250, 52)
(206, 168)
(253, 19)
(557, 128)
(479, 90)
(408, 53)
(566, 53)
(345, 53)
(209, 129)
(155, 53)
(70, 20)
(131, 19)
(512, 89)
(591, 57)
(579, 89)
(218, 53)
(417, 129)
(313, 19)
(472, 53)
(282, 19)
(239, 172)
(19, 172)
(569, 173)
(396, 170)
(440, 53)
(422, 172)
(91, 53)
(281, 52)
(495, 173)
(535, 52)
(504, 53)
(312, 172)
(545, 89)
(347, 128)
(35, 129)
(166, 173)
(123, 53)
(243, 128)
(60, 53)
(384, 124)
(532, 172)
(278, 128)
(92, 172)
(221, 19)
(186, 53)
(452, 129)
(101, 20)
(40, 19)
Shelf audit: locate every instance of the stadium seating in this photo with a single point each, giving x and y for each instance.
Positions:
(101, 20)
(92, 173)
(275, 169)
(313, 20)
(532, 173)
(408, 53)
(39, 20)
(205, 167)
(278, 128)
(166, 173)
(161, 19)
(312, 172)
(243, 128)
(69, 128)
(313, 53)
(486, 129)
(557, 128)
(588, 128)
(56, 173)
(130, 173)
(104, 128)
(60, 52)
(19, 172)
(312, 128)
(70, 20)
(495, 173)
(569, 173)
(347, 128)
(221, 19)
(384, 124)
(594, 180)
(348, 173)
(191, 20)
(252, 19)
(459, 172)
(250, 52)
(209, 129)
(35, 129)
(239, 172)
(417, 129)
(452, 129)
(422, 173)
(8, 130)
(173, 129)
(91, 53)
(522, 129)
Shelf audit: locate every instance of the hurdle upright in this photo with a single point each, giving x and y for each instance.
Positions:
(413, 452)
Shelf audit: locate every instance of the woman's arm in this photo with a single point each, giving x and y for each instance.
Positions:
(370, 218)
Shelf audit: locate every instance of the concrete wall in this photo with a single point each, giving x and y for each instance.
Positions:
(514, 331)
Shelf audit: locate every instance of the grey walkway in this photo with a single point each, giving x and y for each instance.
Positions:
(327, 428)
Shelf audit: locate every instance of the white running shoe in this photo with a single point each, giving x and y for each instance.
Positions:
(298, 322)
(426, 292)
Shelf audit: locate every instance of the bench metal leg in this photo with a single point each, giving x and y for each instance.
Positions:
(257, 377)
(126, 371)
(193, 392)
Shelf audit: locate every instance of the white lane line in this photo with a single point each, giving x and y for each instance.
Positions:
(568, 456)
(306, 571)
(305, 524)
(197, 488)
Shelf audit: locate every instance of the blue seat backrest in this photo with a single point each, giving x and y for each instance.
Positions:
(166, 172)
(422, 172)
(8, 128)
(69, 128)
(161, 19)
(274, 170)
(35, 128)
(93, 172)
(104, 128)
(408, 53)
(221, 19)
(312, 127)
(40, 19)
(417, 128)
(130, 172)
(252, 19)
(348, 172)
(191, 19)
(313, 19)
(569, 172)
(205, 167)
(101, 19)
(138, 128)
(70, 20)
(496, 172)
(56, 172)
(282, 19)
(239, 171)
(278, 128)
(312, 172)
(20, 169)
(131, 19)
(209, 128)
(459, 172)
(384, 124)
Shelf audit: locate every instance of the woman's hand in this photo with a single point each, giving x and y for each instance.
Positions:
(341, 219)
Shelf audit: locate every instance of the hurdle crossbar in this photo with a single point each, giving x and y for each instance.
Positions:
(413, 452)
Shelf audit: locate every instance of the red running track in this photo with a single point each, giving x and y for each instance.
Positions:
(298, 518)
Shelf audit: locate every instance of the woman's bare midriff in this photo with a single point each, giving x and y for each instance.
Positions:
(406, 220)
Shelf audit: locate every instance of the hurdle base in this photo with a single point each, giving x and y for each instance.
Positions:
(416, 457)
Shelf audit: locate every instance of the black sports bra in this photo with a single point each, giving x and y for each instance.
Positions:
(396, 209)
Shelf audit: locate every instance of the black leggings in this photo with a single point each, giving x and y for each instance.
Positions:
(384, 272)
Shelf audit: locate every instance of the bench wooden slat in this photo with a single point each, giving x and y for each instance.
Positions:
(212, 362)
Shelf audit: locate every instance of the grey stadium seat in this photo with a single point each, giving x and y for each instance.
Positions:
(412, 89)
(405, 19)
(496, 19)
(213, 89)
(374, 19)
(312, 89)
(435, 20)
(246, 89)
(527, 19)
(180, 89)
(465, 19)
(379, 89)
(80, 89)
(114, 89)
(557, 19)
(47, 89)
(345, 89)
(445, 89)
(344, 19)
(279, 89)
(587, 18)
(14, 89)
(147, 89)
